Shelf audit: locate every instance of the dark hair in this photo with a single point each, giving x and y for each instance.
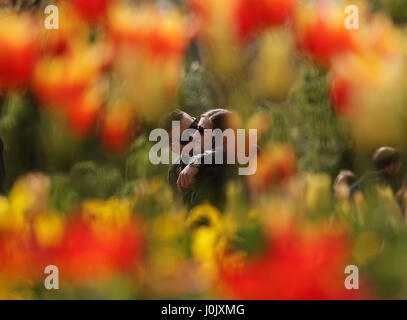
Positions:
(220, 118)
(385, 156)
(347, 177)
(175, 115)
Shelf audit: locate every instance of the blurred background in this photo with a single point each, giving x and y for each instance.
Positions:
(79, 192)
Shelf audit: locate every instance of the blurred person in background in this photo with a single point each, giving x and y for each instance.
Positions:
(343, 183)
(387, 166)
(402, 198)
(347, 203)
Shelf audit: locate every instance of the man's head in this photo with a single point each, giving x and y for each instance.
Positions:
(387, 159)
(185, 122)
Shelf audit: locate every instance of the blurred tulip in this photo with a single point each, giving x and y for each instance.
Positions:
(169, 38)
(209, 240)
(83, 112)
(340, 90)
(321, 31)
(71, 30)
(368, 91)
(131, 26)
(58, 80)
(379, 35)
(205, 214)
(18, 260)
(111, 213)
(89, 254)
(20, 256)
(145, 29)
(218, 35)
(277, 164)
(48, 229)
(91, 10)
(367, 246)
(274, 70)
(105, 242)
(30, 195)
(153, 44)
(318, 194)
(153, 94)
(256, 15)
(118, 127)
(19, 49)
(295, 264)
(262, 122)
(12, 212)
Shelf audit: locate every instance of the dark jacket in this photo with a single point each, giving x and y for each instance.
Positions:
(370, 180)
(210, 184)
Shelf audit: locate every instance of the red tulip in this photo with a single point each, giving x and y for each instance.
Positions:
(340, 95)
(20, 257)
(91, 10)
(91, 253)
(14, 257)
(254, 15)
(322, 33)
(294, 265)
(19, 47)
(83, 112)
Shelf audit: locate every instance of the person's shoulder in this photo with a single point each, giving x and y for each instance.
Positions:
(358, 185)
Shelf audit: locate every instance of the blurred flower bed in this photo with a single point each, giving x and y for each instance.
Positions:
(78, 103)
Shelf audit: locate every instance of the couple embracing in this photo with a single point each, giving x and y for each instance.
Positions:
(198, 176)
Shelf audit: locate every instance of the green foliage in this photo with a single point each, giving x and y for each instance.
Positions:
(307, 121)
(92, 181)
(196, 97)
(138, 165)
(18, 129)
(396, 9)
(63, 196)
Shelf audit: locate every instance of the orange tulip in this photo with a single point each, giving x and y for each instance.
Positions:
(60, 79)
(71, 30)
(146, 30)
(118, 127)
(276, 164)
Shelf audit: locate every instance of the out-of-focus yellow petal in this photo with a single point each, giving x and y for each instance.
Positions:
(48, 229)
